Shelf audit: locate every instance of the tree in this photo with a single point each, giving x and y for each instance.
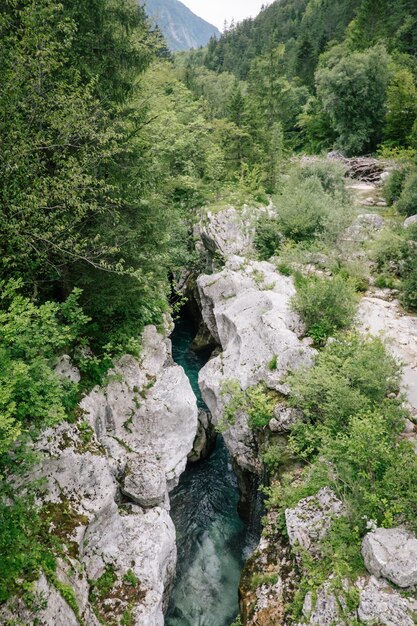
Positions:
(401, 107)
(352, 88)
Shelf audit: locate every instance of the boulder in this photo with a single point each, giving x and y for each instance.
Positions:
(144, 482)
(381, 604)
(143, 543)
(285, 417)
(410, 221)
(67, 370)
(364, 227)
(225, 233)
(309, 522)
(391, 553)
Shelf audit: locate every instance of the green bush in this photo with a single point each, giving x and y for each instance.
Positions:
(325, 305)
(331, 174)
(350, 375)
(394, 184)
(407, 203)
(31, 393)
(268, 237)
(303, 208)
(409, 290)
(26, 546)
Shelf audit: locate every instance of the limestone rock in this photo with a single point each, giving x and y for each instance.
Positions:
(324, 609)
(135, 436)
(247, 309)
(309, 522)
(226, 232)
(139, 541)
(285, 418)
(364, 227)
(50, 608)
(147, 397)
(391, 553)
(381, 604)
(410, 221)
(205, 439)
(144, 482)
(67, 370)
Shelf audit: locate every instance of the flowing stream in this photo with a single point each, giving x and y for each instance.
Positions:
(212, 539)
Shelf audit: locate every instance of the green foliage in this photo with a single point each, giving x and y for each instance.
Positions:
(351, 438)
(31, 393)
(101, 587)
(302, 209)
(256, 402)
(268, 236)
(130, 578)
(401, 107)
(257, 580)
(26, 546)
(409, 290)
(273, 458)
(352, 89)
(407, 203)
(325, 305)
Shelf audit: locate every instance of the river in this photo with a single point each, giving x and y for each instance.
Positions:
(211, 537)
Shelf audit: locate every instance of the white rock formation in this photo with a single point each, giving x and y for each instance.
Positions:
(309, 522)
(149, 408)
(225, 233)
(381, 604)
(391, 553)
(378, 604)
(247, 309)
(410, 221)
(364, 227)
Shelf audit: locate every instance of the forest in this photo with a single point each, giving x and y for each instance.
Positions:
(110, 146)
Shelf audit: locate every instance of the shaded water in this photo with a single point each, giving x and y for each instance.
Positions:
(211, 537)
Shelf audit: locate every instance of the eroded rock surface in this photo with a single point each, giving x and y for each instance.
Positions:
(225, 233)
(247, 309)
(309, 522)
(381, 604)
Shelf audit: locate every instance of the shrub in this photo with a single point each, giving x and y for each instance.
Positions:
(409, 290)
(325, 305)
(394, 185)
(350, 375)
(268, 237)
(331, 174)
(407, 204)
(303, 207)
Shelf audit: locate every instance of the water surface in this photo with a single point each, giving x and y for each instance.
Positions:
(211, 537)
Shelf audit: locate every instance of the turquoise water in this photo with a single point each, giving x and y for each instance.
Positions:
(211, 537)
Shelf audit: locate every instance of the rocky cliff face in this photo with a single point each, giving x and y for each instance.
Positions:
(108, 479)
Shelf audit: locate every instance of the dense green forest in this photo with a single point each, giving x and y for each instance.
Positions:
(108, 148)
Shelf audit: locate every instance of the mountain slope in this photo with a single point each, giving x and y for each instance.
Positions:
(181, 28)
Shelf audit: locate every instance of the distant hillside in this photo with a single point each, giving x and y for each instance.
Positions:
(182, 29)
